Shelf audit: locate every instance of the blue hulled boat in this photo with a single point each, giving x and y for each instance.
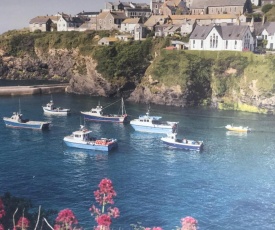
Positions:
(96, 114)
(17, 121)
(83, 139)
(173, 141)
(153, 124)
(51, 109)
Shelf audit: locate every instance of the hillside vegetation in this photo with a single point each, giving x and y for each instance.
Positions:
(228, 80)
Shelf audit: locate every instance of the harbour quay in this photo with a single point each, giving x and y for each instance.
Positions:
(31, 90)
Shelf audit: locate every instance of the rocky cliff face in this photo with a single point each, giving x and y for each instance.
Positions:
(248, 94)
(59, 65)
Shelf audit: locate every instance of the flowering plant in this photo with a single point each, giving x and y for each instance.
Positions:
(65, 220)
(104, 196)
(189, 223)
(2, 213)
(23, 223)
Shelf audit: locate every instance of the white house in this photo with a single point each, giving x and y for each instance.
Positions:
(128, 25)
(140, 32)
(222, 37)
(266, 32)
(68, 23)
(255, 2)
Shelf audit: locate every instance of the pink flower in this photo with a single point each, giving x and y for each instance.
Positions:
(189, 223)
(66, 217)
(1, 227)
(105, 193)
(2, 210)
(114, 212)
(104, 220)
(23, 223)
(94, 210)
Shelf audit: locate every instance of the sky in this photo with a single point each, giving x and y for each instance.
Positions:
(16, 14)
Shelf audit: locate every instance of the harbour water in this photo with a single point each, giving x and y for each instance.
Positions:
(229, 185)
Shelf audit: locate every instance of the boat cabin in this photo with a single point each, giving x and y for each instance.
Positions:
(50, 106)
(97, 110)
(82, 135)
(18, 117)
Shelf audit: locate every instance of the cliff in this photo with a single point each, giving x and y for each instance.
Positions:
(142, 71)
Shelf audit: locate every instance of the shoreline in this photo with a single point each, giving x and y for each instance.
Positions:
(32, 90)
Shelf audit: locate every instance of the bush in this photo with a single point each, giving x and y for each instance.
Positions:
(266, 8)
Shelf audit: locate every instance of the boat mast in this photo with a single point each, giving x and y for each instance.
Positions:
(123, 110)
(19, 111)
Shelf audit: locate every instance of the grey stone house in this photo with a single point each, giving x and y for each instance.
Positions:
(42, 23)
(108, 20)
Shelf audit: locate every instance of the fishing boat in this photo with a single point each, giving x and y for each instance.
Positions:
(153, 124)
(237, 128)
(17, 121)
(96, 114)
(173, 141)
(83, 139)
(51, 109)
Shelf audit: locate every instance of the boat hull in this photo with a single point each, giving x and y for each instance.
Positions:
(26, 125)
(237, 128)
(191, 146)
(115, 119)
(152, 129)
(90, 145)
(56, 112)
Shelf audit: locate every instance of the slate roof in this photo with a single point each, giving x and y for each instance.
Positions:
(201, 4)
(259, 27)
(115, 14)
(204, 16)
(154, 19)
(131, 21)
(228, 32)
(39, 20)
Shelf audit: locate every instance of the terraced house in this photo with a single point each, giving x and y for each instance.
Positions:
(222, 37)
(220, 6)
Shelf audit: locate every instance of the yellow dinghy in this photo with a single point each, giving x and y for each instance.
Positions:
(237, 128)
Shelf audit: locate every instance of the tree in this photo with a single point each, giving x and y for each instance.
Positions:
(266, 8)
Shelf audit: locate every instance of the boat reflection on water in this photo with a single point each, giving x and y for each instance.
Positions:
(237, 134)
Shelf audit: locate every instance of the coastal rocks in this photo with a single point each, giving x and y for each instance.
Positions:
(153, 94)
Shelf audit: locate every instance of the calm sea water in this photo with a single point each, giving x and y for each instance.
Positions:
(228, 186)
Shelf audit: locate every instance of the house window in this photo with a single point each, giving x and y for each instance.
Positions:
(110, 21)
(235, 45)
(100, 21)
(201, 44)
(216, 41)
(193, 43)
(226, 45)
(156, 6)
(213, 41)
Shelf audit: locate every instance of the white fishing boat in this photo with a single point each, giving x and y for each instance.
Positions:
(238, 128)
(173, 141)
(83, 139)
(96, 114)
(17, 121)
(51, 109)
(153, 124)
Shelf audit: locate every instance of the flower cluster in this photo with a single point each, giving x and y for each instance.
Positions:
(189, 223)
(104, 196)
(65, 220)
(22, 224)
(2, 213)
